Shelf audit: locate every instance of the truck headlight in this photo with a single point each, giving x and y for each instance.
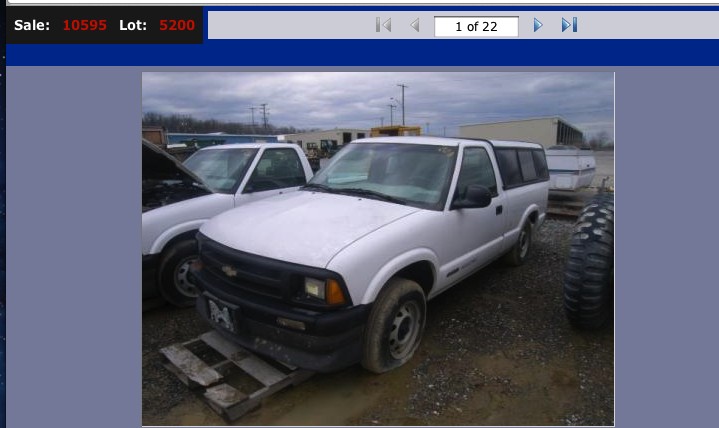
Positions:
(315, 288)
(328, 290)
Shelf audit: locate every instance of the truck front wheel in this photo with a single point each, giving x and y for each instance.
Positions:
(395, 326)
(173, 279)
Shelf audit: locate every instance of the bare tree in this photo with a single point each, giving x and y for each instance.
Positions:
(601, 141)
(188, 124)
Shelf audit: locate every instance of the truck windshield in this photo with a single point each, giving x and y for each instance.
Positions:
(414, 174)
(221, 169)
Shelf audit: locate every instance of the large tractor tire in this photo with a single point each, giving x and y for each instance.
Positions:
(589, 274)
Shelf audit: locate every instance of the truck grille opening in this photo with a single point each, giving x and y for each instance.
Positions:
(236, 271)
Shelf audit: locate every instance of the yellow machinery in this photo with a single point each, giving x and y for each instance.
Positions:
(395, 131)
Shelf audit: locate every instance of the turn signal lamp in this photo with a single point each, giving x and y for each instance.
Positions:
(334, 293)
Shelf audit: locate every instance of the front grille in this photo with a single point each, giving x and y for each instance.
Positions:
(227, 269)
(242, 271)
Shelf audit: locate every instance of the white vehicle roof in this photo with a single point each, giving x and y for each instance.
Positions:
(502, 143)
(443, 141)
(248, 146)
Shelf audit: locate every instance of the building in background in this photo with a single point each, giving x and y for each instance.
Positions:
(330, 140)
(156, 135)
(547, 131)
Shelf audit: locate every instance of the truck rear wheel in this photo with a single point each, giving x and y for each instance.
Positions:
(520, 251)
(589, 274)
(173, 278)
(395, 326)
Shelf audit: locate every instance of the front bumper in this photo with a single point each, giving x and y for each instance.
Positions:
(325, 342)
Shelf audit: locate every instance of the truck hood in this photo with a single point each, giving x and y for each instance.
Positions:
(302, 227)
(165, 180)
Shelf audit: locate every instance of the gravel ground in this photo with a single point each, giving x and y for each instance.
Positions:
(497, 350)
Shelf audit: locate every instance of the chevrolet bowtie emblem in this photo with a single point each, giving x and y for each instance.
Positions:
(229, 271)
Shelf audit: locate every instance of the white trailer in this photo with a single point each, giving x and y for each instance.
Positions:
(570, 168)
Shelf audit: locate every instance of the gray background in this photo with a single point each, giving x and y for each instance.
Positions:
(73, 233)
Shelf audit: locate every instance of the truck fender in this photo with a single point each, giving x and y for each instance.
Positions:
(175, 230)
(395, 265)
(514, 232)
(533, 208)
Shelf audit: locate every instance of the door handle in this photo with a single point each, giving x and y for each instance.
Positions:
(499, 209)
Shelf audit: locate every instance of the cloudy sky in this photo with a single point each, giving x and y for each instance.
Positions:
(328, 100)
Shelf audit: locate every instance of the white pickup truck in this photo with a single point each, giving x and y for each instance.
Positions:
(177, 199)
(340, 272)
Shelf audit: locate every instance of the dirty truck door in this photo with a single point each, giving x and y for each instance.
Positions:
(479, 231)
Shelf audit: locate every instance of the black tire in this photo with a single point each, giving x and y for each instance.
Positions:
(395, 326)
(589, 274)
(173, 280)
(521, 249)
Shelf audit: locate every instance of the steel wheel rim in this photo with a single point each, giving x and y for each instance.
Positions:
(523, 243)
(405, 330)
(182, 278)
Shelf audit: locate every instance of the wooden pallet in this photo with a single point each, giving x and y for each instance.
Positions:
(565, 208)
(569, 203)
(231, 379)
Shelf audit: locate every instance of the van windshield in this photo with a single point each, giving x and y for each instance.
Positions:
(413, 174)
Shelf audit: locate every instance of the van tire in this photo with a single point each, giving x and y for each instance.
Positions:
(589, 273)
(173, 280)
(521, 249)
(395, 326)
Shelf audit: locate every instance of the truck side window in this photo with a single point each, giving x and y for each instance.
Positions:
(540, 164)
(526, 164)
(509, 167)
(476, 169)
(277, 169)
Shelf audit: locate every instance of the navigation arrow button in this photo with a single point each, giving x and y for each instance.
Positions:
(415, 25)
(388, 25)
(565, 24)
(537, 24)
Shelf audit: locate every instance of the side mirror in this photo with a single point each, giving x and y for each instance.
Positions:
(477, 197)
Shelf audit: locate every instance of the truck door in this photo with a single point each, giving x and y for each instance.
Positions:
(477, 232)
(278, 170)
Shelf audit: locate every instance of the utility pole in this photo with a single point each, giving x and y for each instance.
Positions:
(402, 86)
(381, 121)
(427, 131)
(264, 116)
(391, 109)
(252, 124)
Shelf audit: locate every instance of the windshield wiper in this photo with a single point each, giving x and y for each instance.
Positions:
(315, 186)
(371, 194)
